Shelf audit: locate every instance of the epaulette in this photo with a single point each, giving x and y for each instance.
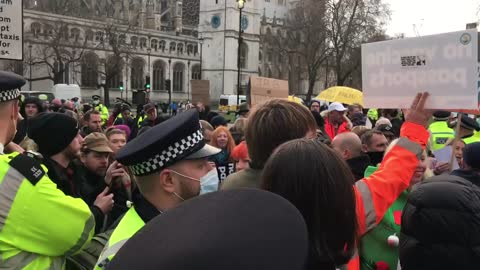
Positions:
(28, 165)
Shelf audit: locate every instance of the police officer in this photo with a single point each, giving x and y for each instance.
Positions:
(170, 162)
(39, 225)
(98, 106)
(468, 126)
(440, 133)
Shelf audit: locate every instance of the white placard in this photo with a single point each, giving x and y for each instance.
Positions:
(444, 65)
(11, 29)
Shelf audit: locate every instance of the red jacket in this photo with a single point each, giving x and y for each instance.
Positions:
(376, 193)
(332, 132)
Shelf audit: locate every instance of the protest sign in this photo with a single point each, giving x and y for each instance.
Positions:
(201, 91)
(225, 170)
(11, 29)
(264, 89)
(444, 65)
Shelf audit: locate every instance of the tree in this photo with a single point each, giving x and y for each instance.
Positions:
(303, 41)
(351, 23)
(114, 40)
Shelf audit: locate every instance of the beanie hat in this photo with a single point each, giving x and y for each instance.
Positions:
(240, 151)
(52, 132)
(471, 155)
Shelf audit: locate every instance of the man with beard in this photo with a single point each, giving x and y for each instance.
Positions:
(93, 178)
(59, 142)
(39, 224)
(98, 106)
(171, 165)
(374, 144)
(93, 123)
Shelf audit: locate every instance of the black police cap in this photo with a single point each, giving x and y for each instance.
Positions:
(10, 84)
(234, 229)
(176, 139)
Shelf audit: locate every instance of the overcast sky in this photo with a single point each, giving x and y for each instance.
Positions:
(431, 16)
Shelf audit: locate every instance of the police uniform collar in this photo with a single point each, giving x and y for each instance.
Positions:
(145, 209)
(1, 149)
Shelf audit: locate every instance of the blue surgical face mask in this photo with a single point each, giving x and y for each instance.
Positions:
(208, 183)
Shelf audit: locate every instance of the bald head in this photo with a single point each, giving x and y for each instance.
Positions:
(348, 145)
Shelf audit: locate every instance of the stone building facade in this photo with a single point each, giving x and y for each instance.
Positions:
(162, 39)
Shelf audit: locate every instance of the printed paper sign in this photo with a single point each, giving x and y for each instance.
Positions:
(444, 65)
(11, 29)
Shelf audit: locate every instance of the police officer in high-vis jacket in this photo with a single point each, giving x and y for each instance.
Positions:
(39, 225)
(98, 106)
(440, 132)
(170, 162)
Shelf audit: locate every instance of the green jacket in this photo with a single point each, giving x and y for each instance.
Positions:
(39, 224)
(248, 178)
(374, 247)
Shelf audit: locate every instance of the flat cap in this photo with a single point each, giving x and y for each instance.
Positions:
(235, 230)
(97, 142)
(96, 97)
(10, 84)
(176, 139)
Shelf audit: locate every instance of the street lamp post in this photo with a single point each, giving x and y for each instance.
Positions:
(171, 83)
(30, 68)
(200, 40)
(241, 4)
(188, 80)
(149, 51)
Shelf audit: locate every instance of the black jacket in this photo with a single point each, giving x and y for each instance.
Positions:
(90, 185)
(68, 181)
(148, 123)
(441, 225)
(358, 165)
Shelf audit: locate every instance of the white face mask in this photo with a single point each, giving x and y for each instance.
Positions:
(208, 183)
(96, 102)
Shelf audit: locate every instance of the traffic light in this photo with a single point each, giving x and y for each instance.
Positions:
(147, 83)
(121, 86)
(168, 85)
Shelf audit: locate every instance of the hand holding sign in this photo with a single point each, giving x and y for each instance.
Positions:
(417, 113)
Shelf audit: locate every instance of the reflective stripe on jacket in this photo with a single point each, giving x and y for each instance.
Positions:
(376, 193)
(440, 133)
(39, 224)
(128, 226)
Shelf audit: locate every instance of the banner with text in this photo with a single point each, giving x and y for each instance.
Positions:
(11, 29)
(264, 89)
(225, 170)
(445, 65)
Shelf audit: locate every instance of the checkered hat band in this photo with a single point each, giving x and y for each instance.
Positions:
(171, 153)
(9, 95)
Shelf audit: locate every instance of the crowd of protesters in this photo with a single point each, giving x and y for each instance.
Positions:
(354, 188)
